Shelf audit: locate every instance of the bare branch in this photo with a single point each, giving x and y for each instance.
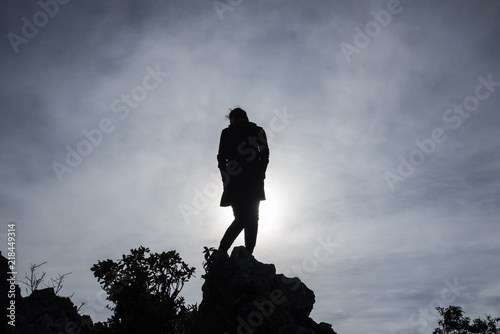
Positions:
(33, 282)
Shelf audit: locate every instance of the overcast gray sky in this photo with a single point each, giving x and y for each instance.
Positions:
(383, 186)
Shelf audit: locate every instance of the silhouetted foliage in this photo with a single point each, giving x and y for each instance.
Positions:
(454, 322)
(208, 254)
(145, 289)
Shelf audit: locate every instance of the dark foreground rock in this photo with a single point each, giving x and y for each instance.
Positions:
(243, 295)
(42, 312)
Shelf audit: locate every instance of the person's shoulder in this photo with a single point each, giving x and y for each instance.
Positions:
(225, 132)
(258, 128)
(254, 125)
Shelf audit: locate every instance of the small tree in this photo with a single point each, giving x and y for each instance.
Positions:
(145, 289)
(454, 322)
(34, 281)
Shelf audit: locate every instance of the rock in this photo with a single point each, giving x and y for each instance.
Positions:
(243, 295)
(43, 312)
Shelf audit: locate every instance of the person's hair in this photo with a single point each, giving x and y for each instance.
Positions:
(237, 114)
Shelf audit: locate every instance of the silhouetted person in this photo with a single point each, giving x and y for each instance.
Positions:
(243, 157)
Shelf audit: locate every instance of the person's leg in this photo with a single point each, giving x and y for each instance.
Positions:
(234, 229)
(251, 215)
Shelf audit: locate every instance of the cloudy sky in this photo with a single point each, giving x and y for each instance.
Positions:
(383, 186)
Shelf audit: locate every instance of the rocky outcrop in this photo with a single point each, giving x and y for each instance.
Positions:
(42, 312)
(243, 295)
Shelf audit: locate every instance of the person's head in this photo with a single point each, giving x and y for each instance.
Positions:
(237, 114)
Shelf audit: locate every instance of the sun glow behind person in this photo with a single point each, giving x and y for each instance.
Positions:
(274, 212)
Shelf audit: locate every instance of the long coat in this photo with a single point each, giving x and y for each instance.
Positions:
(242, 160)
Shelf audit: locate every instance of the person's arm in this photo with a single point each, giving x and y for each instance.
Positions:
(222, 154)
(263, 153)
